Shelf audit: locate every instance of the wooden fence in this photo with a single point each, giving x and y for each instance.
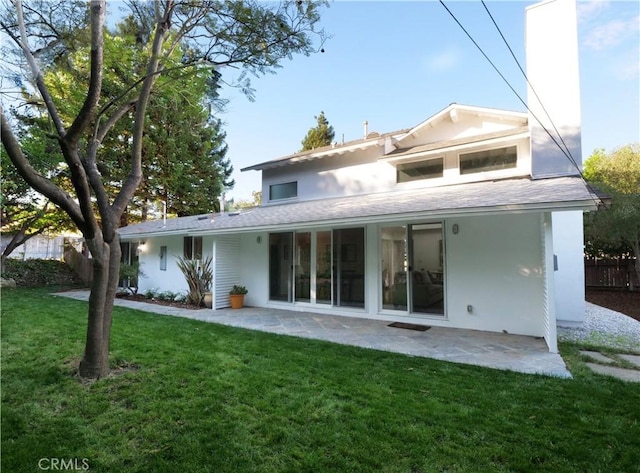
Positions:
(80, 264)
(611, 273)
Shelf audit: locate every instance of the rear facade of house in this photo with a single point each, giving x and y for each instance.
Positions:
(471, 219)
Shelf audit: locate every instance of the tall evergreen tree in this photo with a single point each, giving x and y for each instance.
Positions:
(320, 135)
(183, 149)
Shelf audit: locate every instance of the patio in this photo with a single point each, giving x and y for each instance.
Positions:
(493, 350)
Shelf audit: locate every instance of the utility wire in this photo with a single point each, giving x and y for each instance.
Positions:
(568, 151)
(553, 138)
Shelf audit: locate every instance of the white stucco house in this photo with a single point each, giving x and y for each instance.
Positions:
(471, 219)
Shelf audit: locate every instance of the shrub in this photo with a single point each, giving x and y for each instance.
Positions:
(40, 272)
(199, 276)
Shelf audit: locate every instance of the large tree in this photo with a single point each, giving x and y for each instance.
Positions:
(613, 230)
(252, 36)
(320, 135)
(183, 151)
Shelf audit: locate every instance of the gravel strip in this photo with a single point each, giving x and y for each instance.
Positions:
(605, 327)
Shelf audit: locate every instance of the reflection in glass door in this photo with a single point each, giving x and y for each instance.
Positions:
(412, 262)
(302, 269)
(280, 266)
(323, 267)
(348, 262)
(394, 267)
(427, 268)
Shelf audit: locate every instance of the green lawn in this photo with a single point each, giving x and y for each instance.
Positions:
(200, 397)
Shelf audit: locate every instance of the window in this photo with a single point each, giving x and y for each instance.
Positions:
(283, 191)
(192, 248)
(490, 160)
(163, 258)
(420, 170)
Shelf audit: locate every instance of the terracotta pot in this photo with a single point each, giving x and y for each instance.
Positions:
(237, 301)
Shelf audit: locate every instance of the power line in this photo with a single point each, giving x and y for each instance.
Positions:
(566, 152)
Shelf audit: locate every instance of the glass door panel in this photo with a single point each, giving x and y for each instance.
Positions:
(426, 268)
(348, 262)
(280, 266)
(393, 246)
(303, 267)
(323, 267)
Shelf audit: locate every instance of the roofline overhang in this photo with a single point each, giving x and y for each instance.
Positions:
(321, 153)
(493, 112)
(578, 205)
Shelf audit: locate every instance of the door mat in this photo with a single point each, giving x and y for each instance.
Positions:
(420, 328)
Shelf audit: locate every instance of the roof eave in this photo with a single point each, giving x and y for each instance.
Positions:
(581, 205)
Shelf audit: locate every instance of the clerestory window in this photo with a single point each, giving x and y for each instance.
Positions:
(429, 169)
(489, 160)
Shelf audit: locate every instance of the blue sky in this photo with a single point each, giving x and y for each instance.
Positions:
(395, 64)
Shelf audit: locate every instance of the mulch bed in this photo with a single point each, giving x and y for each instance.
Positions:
(142, 298)
(627, 302)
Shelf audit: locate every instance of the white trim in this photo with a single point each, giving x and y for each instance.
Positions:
(550, 330)
(479, 111)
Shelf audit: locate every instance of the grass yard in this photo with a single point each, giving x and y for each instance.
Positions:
(198, 397)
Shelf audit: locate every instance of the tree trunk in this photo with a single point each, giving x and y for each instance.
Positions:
(106, 265)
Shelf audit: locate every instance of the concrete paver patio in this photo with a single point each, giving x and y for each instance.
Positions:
(494, 350)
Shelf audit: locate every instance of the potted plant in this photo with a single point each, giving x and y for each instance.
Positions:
(236, 296)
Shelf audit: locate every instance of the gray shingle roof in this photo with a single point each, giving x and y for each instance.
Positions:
(509, 195)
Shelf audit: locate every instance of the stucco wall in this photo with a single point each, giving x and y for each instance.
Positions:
(254, 267)
(494, 264)
(568, 237)
(362, 172)
(172, 279)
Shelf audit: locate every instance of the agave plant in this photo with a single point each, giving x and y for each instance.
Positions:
(199, 276)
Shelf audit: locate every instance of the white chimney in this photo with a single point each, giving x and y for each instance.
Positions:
(366, 128)
(554, 91)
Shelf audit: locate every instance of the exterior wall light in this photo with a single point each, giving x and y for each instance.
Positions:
(455, 229)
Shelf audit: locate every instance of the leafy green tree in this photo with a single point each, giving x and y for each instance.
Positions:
(24, 213)
(254, 37)
(320, 135)
(183, 151)
(247, 204)
(615, 229)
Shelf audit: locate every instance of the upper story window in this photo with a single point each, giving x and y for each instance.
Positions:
(420, 170)
(192, 248)
(286, 190)
(490, 160)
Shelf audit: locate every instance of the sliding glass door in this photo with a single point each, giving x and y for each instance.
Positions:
(280, 266)
(393, 247)
(412, 261)
(426, 268)
(302, 269)
(325, 267)
(323, 273)
(348, 262)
